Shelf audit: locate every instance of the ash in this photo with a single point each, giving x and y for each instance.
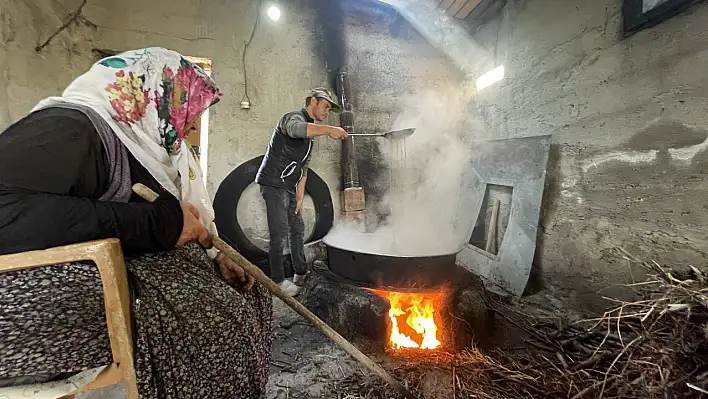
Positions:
(306, 364)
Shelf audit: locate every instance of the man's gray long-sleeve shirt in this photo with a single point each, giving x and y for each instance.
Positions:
(295, 125)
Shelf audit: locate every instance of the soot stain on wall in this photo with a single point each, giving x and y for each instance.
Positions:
(333, 19)
(329, 43)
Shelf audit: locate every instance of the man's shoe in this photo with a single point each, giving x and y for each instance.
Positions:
(299, 279)
(289, 288)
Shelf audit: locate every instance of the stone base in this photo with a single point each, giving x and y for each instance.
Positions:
(467, 319)
(315, 251)
(350, 310)
(355, 312)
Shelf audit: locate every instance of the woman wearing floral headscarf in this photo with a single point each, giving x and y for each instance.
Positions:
(66, 173)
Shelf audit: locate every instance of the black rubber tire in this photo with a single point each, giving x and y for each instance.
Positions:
(229, 194)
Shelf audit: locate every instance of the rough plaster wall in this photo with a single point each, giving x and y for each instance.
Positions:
(281, 65)
(629, 122)
(281, 69)
(25, 76)
(387, 64)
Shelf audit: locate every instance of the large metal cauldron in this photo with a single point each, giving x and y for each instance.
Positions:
(407, 273)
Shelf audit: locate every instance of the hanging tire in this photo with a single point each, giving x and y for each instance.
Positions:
(230, 192)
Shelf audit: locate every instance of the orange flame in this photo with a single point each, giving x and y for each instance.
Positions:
(412, 319)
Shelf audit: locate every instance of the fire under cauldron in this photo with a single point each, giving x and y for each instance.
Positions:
(406, 301)
(400, 301)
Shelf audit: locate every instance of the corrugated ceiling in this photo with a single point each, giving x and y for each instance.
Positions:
(458, 8)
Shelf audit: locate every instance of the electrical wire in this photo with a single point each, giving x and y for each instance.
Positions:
(245, 50)
(496, 41)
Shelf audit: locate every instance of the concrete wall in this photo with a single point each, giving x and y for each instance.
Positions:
(25, 76)
(628, 116)
(285, 59)
(281, 65)
(629, 122)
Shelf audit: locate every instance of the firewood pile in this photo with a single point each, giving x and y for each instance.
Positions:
(654, 347)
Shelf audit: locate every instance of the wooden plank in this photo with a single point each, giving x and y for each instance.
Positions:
(205, 63)
(456, 6)
(446, 4)
(467, 9)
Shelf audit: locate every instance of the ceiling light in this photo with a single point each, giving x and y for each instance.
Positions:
(490, 77)
(274, 12)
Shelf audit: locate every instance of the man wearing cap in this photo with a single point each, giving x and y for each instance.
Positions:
(282, 176)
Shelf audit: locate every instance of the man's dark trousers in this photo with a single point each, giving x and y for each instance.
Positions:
(284, 224)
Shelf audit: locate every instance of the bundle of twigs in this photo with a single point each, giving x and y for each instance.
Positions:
(440, 374)
(655, 347)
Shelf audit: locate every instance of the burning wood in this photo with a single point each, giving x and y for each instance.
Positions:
(412, 319)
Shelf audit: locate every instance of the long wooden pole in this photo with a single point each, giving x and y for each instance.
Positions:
(149, 195)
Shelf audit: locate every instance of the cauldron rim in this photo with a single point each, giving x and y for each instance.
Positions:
(356, 251)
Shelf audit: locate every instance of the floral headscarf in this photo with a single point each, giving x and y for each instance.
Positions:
(148, 97)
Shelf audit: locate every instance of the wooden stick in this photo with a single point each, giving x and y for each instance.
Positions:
(454, 385)
(492, 233)
(149, 195)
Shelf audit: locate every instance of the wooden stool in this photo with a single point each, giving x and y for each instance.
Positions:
(108, 257)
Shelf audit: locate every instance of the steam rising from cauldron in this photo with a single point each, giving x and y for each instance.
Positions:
(428, 215)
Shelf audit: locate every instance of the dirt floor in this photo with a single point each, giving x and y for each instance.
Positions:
(537, 350)
(653, 346)
(306, 364)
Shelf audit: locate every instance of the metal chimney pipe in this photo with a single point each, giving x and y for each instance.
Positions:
(350, 171)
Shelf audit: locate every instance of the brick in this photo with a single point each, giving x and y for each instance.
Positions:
(357, 217)
(353, 199)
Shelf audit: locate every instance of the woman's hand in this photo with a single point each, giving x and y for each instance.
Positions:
(300, 192)
(233, 273)
(298, 207)
(192, 228)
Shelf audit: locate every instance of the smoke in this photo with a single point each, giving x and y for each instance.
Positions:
(427, 175)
